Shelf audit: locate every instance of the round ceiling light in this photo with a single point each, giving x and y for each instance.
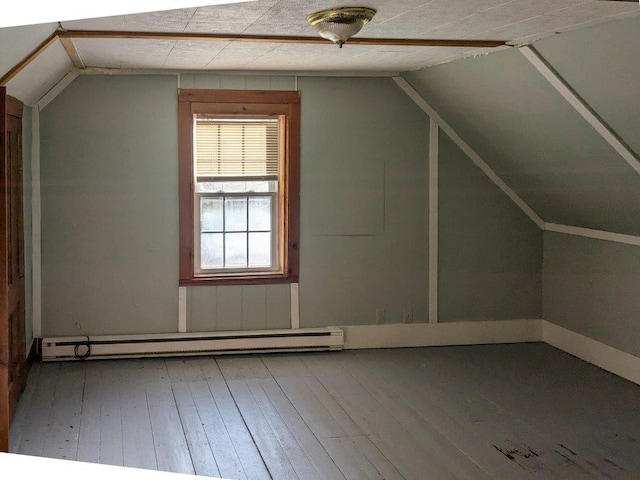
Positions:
(339, 24)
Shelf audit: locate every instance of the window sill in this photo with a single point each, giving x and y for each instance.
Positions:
(249, 279)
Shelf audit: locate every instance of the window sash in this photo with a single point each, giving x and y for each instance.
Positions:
(274, 231)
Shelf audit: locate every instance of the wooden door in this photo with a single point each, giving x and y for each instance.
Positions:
(13, 362)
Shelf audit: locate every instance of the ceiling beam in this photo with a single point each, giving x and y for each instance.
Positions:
(215, 37)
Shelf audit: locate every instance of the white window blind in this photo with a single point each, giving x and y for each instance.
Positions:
(229, 148)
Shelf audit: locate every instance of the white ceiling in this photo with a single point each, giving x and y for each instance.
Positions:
(513, 20)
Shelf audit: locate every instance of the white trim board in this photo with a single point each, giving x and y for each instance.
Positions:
(57, 89)
(471, 153)
(597, 353)
(579, 105)
(433, 220)
(441, 334)
(182, 309)
(295, 306)
(590, 233)
(36, 226)
(244, 73)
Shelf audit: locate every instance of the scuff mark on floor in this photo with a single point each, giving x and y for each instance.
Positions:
(567, 449)
(570, 461)
(611, 462)
(524, 457)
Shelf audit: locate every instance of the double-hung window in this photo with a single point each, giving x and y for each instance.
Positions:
(239, 181)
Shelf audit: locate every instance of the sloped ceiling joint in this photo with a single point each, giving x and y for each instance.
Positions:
(595, 234)
(57, 89)
(472, 154)
(72, 51)
(580, 105)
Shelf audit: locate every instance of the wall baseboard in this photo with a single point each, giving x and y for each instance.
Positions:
(597, 353)
(401, 335)
(441, 334)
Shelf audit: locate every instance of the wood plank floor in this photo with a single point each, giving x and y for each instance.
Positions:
(524, 411)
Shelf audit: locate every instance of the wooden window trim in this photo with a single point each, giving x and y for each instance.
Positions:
(240, 102)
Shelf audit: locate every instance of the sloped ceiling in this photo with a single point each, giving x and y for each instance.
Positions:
(531, 136)
(41, 75)
(603, 65)
(17, 42)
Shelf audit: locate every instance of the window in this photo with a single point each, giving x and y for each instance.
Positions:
(239, 186)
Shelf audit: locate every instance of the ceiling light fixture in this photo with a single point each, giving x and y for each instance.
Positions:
(339, 24)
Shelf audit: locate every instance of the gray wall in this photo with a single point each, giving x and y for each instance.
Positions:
(591, 287)
(109, 228)
(364, 223)
(233, 307)
(109, 207)
(490, 252)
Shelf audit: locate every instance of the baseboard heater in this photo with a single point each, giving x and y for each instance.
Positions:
(177, 344)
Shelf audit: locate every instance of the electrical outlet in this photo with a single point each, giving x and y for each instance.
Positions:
(408, 315)
(380, 315)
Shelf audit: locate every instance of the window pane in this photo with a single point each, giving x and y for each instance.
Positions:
(235, 211)
(211, 248)
(208, 187)
(211, 215)
(260, 213)
(260, 249)
(258, 186)
(235, 254)
(233, 187)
